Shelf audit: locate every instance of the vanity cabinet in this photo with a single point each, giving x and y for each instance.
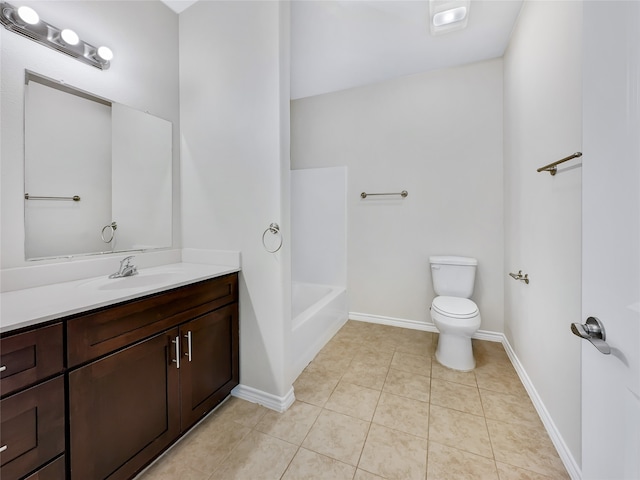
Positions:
(32, 432)
(143, 372)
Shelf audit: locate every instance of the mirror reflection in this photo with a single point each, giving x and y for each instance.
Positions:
(97, 174)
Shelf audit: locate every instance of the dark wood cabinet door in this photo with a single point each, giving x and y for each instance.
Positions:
(209, 368)
(32, 429)
(124, 409)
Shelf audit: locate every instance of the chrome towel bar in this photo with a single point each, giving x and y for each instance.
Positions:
(552, 167)
(75, 198)
(403, 194)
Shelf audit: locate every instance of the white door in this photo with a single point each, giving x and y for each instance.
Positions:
(611, 239)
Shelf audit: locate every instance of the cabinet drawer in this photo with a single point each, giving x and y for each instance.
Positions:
(32, 429)
(102, 332)
(29, 357)
(54, 471)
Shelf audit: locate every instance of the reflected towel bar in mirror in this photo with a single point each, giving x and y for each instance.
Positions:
(75, 198)
(552, 168)
(403, 194)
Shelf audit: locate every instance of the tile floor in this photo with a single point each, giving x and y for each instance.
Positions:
(376, 404)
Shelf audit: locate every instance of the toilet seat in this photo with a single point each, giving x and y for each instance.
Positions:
(455, 307)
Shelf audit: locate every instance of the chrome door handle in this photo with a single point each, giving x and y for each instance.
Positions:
(592, 330)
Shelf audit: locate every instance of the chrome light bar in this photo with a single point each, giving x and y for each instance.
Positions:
(45, 34)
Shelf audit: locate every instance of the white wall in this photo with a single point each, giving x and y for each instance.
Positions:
(235, 165)
(144, 75)
(437, 135)
(542, 118)
(319, 226)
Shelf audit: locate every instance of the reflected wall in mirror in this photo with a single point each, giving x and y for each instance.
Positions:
(117, 160)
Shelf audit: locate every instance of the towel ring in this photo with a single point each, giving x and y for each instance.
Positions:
(274, 228)
(113, 226)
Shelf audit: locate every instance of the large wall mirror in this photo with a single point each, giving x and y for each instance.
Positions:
(97, 174)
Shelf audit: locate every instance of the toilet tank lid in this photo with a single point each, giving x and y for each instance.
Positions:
(452, 260)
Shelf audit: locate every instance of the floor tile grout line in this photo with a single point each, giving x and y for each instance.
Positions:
(426, 466)
(226, 457)
(486, 424)
(371, 422)
(284, 472)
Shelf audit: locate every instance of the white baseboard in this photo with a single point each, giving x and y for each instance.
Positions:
(273, 402)
(394, 322)
(417, 325)
(563, 451)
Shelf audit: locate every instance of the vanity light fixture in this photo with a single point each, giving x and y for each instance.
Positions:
(448, 15)
(26, 22)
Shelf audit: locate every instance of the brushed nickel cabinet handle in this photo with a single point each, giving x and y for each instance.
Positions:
(188, 352)
(176, 341)
(3, 368)
(3, 448)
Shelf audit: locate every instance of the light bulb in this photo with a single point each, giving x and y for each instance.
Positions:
(69, 36)
(105, 53)
(28, 15)
(449, 16)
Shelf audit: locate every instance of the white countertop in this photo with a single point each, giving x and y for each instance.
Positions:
(31, 306)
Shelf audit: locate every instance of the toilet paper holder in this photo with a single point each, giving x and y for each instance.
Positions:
(520, 276)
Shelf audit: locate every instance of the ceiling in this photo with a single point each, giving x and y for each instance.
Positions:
(178, 6)
(340, 44)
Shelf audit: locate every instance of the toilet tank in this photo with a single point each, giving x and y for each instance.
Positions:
(453, 276)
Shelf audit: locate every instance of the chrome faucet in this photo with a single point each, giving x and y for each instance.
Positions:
(126, 269)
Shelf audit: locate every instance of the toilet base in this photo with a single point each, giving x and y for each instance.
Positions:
(455, 352)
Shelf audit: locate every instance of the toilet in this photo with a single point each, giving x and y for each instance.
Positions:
(455, 316)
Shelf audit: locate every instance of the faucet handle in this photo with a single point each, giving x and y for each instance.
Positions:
(126, 259)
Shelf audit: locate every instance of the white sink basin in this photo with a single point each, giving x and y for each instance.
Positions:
(142, 280)
(137, 281)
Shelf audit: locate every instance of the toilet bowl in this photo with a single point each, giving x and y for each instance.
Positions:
(455, 316)
(457, 319)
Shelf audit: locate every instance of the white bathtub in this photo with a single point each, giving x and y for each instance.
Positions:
(318, 312)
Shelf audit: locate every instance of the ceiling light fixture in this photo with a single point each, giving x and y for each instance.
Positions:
(448, 15)
(26, 22)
